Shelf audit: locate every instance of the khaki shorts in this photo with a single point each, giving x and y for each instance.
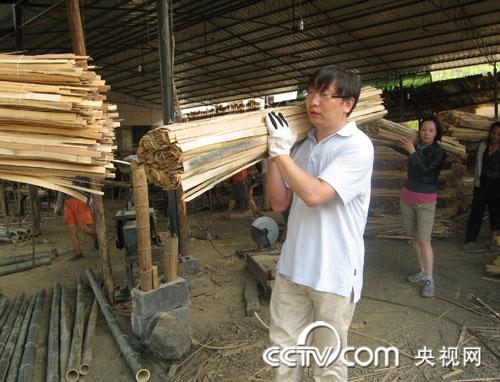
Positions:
(418, 219)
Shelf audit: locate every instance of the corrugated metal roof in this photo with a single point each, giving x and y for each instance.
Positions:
(228, 50)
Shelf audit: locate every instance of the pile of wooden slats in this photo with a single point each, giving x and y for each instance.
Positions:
(198, 155)
(466, 126)
(55, 124)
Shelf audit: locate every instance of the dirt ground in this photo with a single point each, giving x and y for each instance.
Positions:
(228, 345)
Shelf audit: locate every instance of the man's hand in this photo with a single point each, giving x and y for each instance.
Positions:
(281, 138)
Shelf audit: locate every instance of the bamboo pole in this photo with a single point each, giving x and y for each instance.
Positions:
(89, 337)
(65, 331)
(11, 341)
(141, 202)
(22, 258)
(52, 371)
(27, 365)
(131, 356)
(154, 269)
(7, 327)
(75, 351)
(171, 249)
(23, 266)
(18, 350)
(4, 304)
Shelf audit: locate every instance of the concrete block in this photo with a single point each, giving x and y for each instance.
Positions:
(141, 326)
(170, 338)
(190, 266)
(163, 299)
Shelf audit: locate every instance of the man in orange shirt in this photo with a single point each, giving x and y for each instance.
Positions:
(77, 216)
(242, 192)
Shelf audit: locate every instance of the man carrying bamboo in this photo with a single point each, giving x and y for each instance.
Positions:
(326, 180)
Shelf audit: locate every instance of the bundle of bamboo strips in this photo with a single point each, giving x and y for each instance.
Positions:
(466, 126)
(54, 122)
(198, 155)
(384, 132)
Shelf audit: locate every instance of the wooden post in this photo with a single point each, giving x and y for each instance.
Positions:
(34, 206)
(78, 44)
(183, 225)
(100, 227)
(140, 184)
(171, 248)
(495, 90)
(76, 28)
(178, 222)
(4, 206)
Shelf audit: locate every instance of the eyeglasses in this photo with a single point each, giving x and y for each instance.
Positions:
(323, 96)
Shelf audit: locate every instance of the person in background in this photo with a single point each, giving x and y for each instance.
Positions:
(242, 194)
(486, 190)
(418, 197)
(78, 217)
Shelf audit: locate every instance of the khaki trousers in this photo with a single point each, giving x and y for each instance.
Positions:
(293, 307)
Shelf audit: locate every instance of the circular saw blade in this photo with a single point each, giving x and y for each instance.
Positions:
(267, 227)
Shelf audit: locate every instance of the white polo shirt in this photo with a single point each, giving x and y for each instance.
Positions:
(324, 246)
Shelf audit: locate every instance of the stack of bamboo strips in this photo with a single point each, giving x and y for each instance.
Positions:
(198, 155)
(466, 126)
(54, 122)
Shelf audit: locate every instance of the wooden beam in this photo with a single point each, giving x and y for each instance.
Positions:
(76, 28)
(78, 45)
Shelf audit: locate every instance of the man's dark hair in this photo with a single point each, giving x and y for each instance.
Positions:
(439, 130)
(347, 82)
